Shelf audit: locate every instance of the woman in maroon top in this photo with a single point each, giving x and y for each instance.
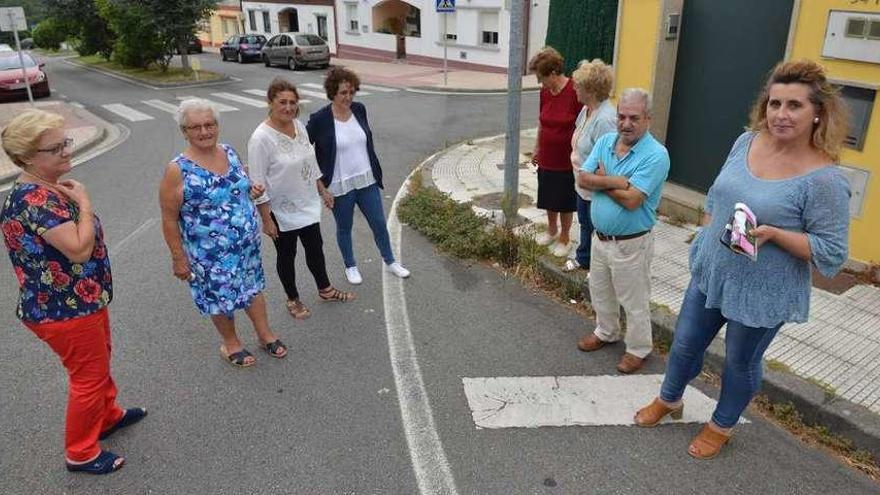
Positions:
(552, 156)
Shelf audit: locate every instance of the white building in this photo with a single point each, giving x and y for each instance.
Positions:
(270, 17)
(476, 34)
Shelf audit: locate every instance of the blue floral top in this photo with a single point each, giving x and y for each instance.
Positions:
(221, 236)
(775, 288)
(51, 287)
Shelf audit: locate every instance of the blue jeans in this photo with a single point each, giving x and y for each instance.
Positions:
(744, 352)
(582, 253)
(369, 201)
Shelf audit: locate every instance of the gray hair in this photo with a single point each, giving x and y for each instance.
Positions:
(195, 105)
(638, 94)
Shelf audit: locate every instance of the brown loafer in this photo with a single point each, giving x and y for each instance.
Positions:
(654, 412)
(630, 363)
(708, 443)
(591, 342)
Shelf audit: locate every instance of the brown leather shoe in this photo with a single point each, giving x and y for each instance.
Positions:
(708, 443)
(654, 412)
(590, 343)
(630, 363)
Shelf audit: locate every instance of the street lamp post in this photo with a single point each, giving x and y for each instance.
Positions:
(514, 89)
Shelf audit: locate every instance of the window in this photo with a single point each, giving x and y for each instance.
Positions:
(351, 13)
(224, 27)
(855, 27)
(489, 28)
(252, 18)
(322, 27)
(267, 24)
(874, 30)
(451, 27)
(860, 102)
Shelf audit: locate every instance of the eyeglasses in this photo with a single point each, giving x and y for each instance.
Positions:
(346, 92)
(211, 126)
(57, 148)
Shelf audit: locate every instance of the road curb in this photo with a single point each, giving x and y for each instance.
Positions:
(433, 90)
(152, 85)
(816, 405)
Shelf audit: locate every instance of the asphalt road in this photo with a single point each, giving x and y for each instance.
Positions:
(327, 420)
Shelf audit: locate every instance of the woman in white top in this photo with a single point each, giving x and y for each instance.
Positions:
(285, 173)
(350, 169)
(592, 83)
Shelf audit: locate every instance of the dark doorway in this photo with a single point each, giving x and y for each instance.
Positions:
(293, 20)
(725, 53)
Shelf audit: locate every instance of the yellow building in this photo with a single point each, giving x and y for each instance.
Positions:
(705, 61)
(225, 22)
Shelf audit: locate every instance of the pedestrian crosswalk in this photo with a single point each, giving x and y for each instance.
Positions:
(224, 101)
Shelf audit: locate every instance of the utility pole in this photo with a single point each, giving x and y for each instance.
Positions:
(514, 95)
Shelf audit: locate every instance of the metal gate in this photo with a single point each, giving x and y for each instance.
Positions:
(725, 52)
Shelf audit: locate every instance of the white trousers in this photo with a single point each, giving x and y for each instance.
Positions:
(620, 275)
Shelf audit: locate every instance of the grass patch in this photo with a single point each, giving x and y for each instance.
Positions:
(778, 366)
(787, 416)
(42, 52)
(151, 74)
(457, 230)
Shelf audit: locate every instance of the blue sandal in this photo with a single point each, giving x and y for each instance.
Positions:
(106, 462)
(276, 349)
(238, 359)
(130, 417)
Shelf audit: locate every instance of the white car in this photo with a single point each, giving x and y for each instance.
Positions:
(5, 48)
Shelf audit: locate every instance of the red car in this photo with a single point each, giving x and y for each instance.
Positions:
(11, 81)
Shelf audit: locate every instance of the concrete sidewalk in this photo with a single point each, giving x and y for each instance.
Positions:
(84, 127)
(425, 78)
(836, 355)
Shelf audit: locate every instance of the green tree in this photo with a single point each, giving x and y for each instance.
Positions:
(90, 31)
(50, 33)
(138, 42)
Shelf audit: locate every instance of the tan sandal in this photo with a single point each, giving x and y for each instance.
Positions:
(708, 443)
(333, 294)
(654, 412)
(297, 309)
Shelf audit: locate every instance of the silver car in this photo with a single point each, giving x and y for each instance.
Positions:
(296, 50)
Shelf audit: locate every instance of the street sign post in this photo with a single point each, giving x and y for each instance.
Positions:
(514, 88)
(445, 7)
(12, 19)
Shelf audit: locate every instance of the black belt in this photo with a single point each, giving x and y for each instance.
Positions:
(604, 237)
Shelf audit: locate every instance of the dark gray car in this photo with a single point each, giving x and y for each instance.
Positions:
(296, 50)
(242, 47)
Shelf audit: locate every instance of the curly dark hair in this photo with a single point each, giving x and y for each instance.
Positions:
(338, 75)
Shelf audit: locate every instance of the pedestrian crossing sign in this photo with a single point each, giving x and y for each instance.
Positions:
(445, 5)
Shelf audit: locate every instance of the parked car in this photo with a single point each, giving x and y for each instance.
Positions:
(242, 47)
(27, 44)
(296, 50)
(5, 48)
(193, 45)
(12, 84)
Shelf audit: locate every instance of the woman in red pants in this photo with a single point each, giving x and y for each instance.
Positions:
(56, 246)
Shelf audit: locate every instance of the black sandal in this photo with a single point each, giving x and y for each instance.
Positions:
(275, 349)
(333, 294)
(238, 359)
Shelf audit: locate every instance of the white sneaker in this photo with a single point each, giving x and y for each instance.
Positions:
(544, 239)
(570, 265)
(398, 269)
(353, 275)
(559, 249)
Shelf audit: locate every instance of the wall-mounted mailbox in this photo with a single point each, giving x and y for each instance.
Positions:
(673, 21)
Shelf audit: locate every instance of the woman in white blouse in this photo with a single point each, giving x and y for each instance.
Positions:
(284, 170)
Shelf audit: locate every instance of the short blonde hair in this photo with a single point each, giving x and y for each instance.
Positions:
(22, 136)
(546, 62)
(830, 132)
(190, 105)
(595, 77)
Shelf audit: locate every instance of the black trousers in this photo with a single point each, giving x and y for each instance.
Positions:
(285, 247)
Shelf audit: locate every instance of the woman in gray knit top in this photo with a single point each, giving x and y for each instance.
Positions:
(783, 170)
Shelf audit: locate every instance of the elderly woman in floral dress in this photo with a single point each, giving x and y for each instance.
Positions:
(211, 228)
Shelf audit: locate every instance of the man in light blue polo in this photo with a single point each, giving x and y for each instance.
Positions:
(626, 171)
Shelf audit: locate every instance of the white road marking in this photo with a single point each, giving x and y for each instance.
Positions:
(429, 462)
(533, 401)
(161, 105)
(144, 226)
(313, 94)
(322, 93)
(241, 99)
(222, 107)
(262, 93)
(77, 104)
(126, 112)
